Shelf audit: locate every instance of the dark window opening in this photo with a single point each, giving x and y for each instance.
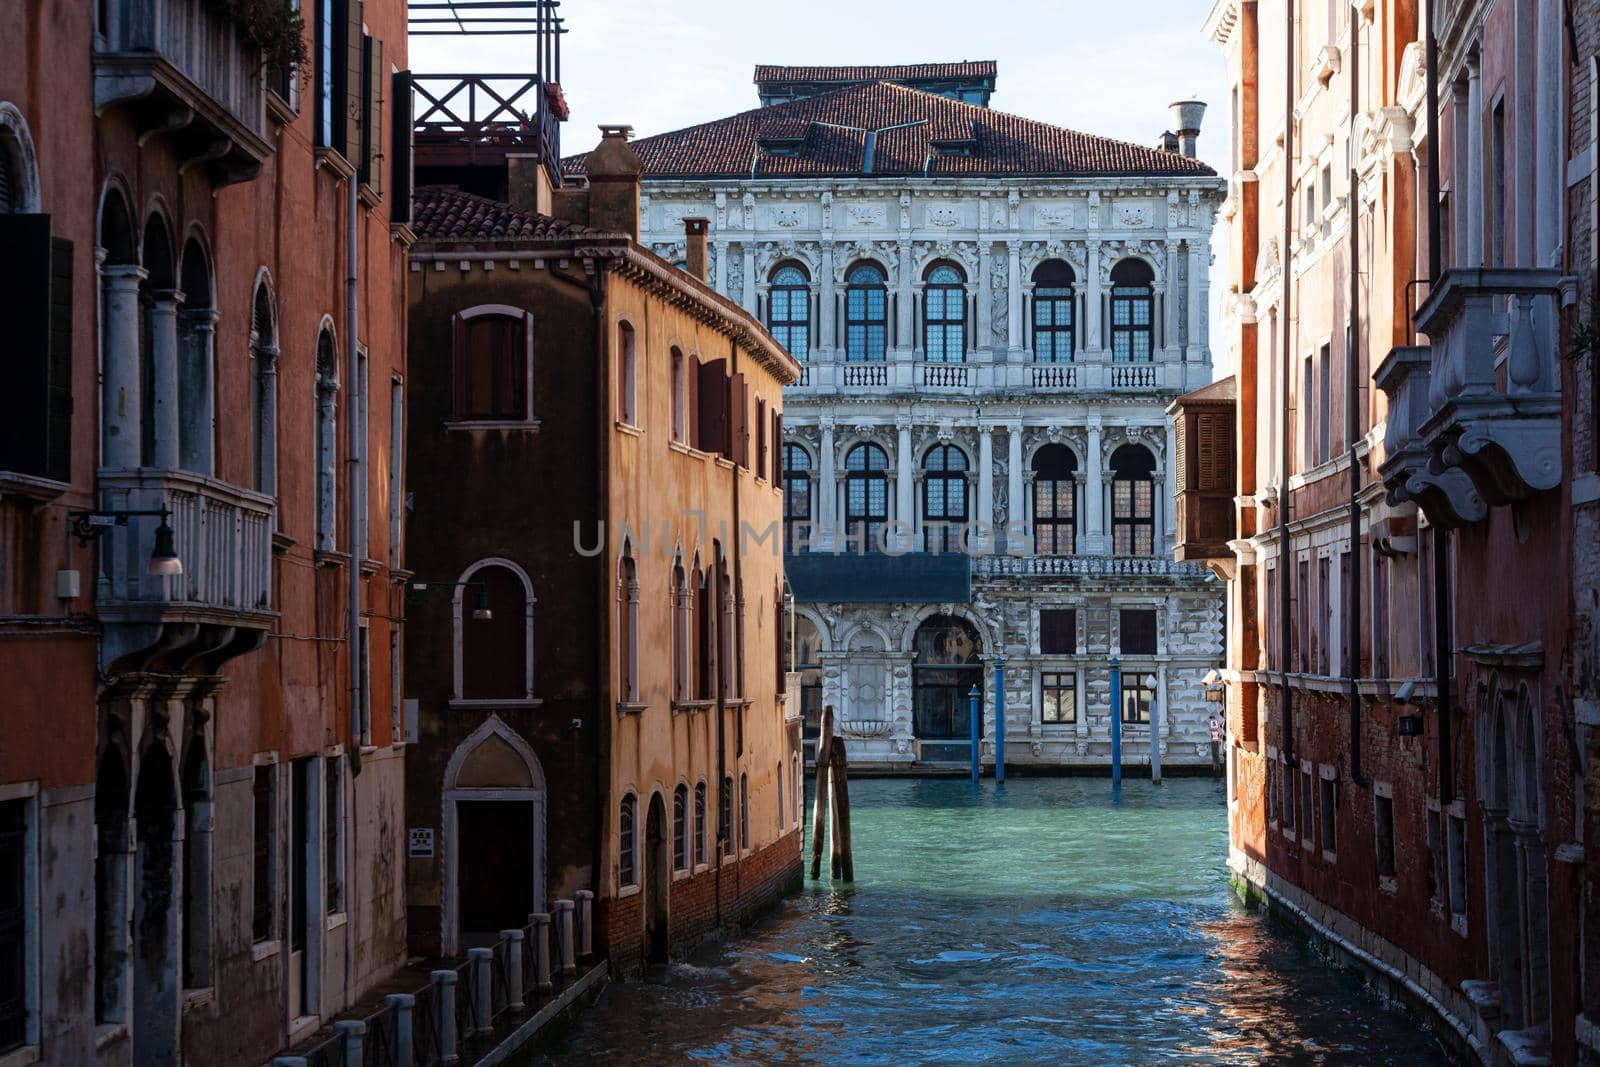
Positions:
(1055, 520)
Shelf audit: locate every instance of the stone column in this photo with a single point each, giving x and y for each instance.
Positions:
(541, 951)
(564, 934)
(1014, 299)
(1091, 321)
(905, 483)
(197, 427)
(986, 480)
(1169, 323)
(825, 311)
(983, 338)
(719, 280)
(402, 1008)
(1198, 254)
(513, 939)
(482, 998)
(906, 322)
(1170, 501)
(1094, 541)
(1016, 506)
(124, 385)
(164, 402)
(749, 256)
(583, 899)
(827, 490)
(1472, 183)
(444, 983)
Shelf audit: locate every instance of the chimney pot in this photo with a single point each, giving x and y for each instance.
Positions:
(1187, 116)
(695, 230)
(613, 170)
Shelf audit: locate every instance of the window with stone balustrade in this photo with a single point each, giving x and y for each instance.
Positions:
(866, 330)
(944, 314)
(1053, 312)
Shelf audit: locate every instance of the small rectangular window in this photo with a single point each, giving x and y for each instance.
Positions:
(1383, 831)
(1287, 807)
(14, 919)
(1272, 791)
(1324, 614)
(627, 873)
(264, 850)
(1138, 696)
(491, 368)
(1138, 632)
(1307, 812)
(1457, 854)
(333, 834)
(1380, 615)
(1436, 873)
(1058, 694)
(1329, 810)
(1058, 631)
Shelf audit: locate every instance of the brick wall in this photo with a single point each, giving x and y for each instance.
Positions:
(716, 900)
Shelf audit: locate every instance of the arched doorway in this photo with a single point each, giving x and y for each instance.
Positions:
(494, 831)
(155, 919)
(657, 882)
(944, 668)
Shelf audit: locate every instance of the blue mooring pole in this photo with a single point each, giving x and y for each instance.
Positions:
(1116, 723)
(975, 730)
(999, 719)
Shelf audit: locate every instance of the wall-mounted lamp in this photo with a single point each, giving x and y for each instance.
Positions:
(480, 610)
(90, 526)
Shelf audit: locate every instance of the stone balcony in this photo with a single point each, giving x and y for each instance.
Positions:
(182, 70)
(220, 605)
(1408, 469)
(1085, 567)
(898, 377)
(1494, 382)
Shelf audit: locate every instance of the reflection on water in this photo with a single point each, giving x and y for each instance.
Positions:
(1033, 923)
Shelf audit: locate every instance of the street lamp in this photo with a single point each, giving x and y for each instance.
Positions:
(90, 526)
(480, 610)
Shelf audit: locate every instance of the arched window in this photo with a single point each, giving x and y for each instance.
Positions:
(789, 309)
(944, 497)
(1053, 309)
(681, 610)
(627, 628)
(494, 633)
(680, 828)
(866, 329)
(197, 323)
(493, 358)
(703, 630)
(1131, 311)
(680, 397)
(10, 175)
(1055, 515)
(701, 824)
(1133, 501)
(627, 842)
(327, 443)
(744, 812)
(783, 812)
(122, 391)
(264, 391)
(725, 815)
(796, 494)
(627, 397)
(158, 339)
(944, 314)
(866, 493)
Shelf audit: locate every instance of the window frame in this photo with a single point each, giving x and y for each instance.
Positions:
(1151, 691)
(526, 419)
(870, 523)
(869, 317)
(1126, 515)
(530, 607)
(1065, 682)
(787, 329)
(1131, 297)
(1052, 298)
(681, 857)
(797, 485)
(948, 326)
(1052, 520)
(627, 370)
(937, 532)
(628, 843)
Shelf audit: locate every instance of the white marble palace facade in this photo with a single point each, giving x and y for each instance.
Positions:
(990, 351)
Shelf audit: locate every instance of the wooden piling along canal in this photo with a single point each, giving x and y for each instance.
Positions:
(832, 796)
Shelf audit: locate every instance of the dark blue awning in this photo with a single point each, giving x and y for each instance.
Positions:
(852, 578)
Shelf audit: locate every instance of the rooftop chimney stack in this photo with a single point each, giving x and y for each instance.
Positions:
(1186, 118)
(695, 237)
(614, 171)
(1168, 142)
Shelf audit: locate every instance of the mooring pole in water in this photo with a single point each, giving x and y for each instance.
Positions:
(819, 807)
(975, 722)
(1116, 723)
(1155, 742)
(844, 863)
(999, 719)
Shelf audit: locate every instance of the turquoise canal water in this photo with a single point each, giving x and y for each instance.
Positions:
(1035, 922)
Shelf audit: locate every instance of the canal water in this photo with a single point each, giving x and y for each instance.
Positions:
(1037, 922)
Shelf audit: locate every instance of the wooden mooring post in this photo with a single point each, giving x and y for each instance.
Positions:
(832, 804)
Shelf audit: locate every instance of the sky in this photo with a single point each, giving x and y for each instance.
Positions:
(1102, 68)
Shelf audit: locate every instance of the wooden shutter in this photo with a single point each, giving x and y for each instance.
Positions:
(713, 408)
(353, 84)
(25, 307)
(777, 449)
(1215, 448)
(739, 421)
(372, 82)
(400, 148)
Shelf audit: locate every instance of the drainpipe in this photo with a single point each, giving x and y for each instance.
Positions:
(355, 497)
(1285, 562)
(603, 720)
(736, 552)
(1352, 426)
(1441, 542)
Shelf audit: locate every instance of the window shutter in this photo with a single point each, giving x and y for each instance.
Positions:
(691, 413)
(400, 148)
(1188, 426)
(713, 410)
(739, 421)
(777, 449)
(25, 307)
(372, 114)
(354, 84)
(58, 463)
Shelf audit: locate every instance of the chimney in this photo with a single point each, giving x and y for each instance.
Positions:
(614, 171)
(1168, 142)
(1186, 117)
(528, 186)
(694, 231)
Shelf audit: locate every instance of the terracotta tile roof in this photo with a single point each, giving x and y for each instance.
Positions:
(982, 68)
(831, 130)
(442, 213)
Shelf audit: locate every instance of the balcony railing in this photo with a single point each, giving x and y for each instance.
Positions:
(1084, 567)
(1494, 388)
(1447, 494)
(944, 375)
(1133, 376)
(223, 535)
(188, 56)
(460, 117)
(856, 375)
(1086, 375)
(1055, 376)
